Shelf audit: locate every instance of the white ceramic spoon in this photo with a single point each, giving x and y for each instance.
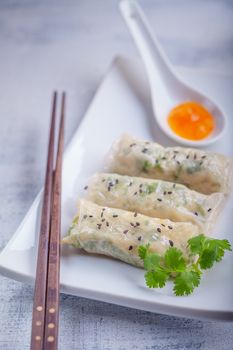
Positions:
(167, 89)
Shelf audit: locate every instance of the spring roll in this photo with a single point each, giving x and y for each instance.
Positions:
(156, 198)
(118, 233)
(202, 171)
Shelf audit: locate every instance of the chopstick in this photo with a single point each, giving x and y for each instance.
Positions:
(53, 280)
(45, 316)
(39, 304)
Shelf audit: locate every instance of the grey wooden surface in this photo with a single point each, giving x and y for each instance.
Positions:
(69, 44)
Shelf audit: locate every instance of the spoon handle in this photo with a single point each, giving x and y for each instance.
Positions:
(154, 58)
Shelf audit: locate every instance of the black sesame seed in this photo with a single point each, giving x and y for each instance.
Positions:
(115, 216)
(103, 209)
(130, 184)
(140, 191)
(101, 215)
(176, 152)
(132, 224)
(103, 220)
(195, 156)
(140, 186)
(196, 213)
(170, 227)
(178, 162)
(117, 181)
(109, 188)
(90, 216)
(159, 229)
(135, 214)
(130, 247)
(165, 192)
(139, 238)
(156, 161)
(86, 187)
(203, 157)
(159, 199)
(132, 144)
(84, 216)
(163, 158)
(135, 193)
(163, 225)
(209, 209)
(174, 185)
(125, 231)
(171, 243)
(137, 223)
(200, 163)
(144, 150)
(169, 192)
(187, 157)
(174, 157)
(99, 226)
(107, 223)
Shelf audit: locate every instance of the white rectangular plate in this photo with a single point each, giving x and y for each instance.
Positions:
(122, 104)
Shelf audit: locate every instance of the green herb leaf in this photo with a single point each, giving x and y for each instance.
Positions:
(213, 251)
(146, 166)
(207, 258)
(196, 244)
(156, 278)
(185, 282)
(151, 188)
(174, 260)
(151, 261)
(220, 245)
(209, 250)
(142, 251)
(173, 265)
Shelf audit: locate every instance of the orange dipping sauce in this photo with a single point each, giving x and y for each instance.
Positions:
(191, 121)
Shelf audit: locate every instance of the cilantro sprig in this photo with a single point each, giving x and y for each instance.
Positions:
(186, 275)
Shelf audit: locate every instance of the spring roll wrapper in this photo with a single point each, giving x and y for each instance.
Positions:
(202, 171)
(118, 233)
(156, 198)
